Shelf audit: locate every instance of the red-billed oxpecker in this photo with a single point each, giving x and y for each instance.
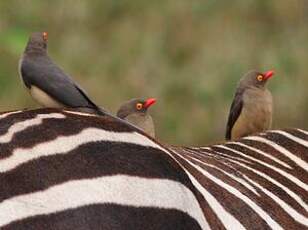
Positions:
(135, 111)
(251, 109)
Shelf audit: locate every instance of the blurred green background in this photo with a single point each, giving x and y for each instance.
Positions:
(187, 54)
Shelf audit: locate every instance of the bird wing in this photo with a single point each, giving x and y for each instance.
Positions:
(235, 111)
(46, 75)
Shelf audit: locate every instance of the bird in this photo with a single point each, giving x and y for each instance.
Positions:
(135, 111)
(252, 106)
(47, 83)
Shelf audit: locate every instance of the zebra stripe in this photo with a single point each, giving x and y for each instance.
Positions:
(293, 138)
(282, 150)
(292, 212)
(237, 193)
(96, 161)
(272, 196)
(63, 145)
(303, 131)
(229, 221)
(20, 126)
(66, 169)
(282, 172)
(4, 115)
(139, 192)
(238, 179)
(286, 189)
(262, 153)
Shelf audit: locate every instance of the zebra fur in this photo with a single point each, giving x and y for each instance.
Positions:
(70, 170)
(264, 178)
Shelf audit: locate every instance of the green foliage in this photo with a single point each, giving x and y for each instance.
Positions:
(187, 54)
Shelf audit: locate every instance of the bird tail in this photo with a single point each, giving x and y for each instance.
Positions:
(101, 111)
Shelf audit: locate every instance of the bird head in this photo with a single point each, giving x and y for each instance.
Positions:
(135, 106)
(256, 79)
(37, 41)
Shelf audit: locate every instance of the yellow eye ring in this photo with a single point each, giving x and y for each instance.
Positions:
(260, 78)
(139, 106)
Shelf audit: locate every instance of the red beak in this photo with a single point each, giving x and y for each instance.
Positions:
(268, 74)
(149, 102)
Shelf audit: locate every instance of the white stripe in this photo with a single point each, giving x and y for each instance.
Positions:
(303, 131)
(80, 113)
(225, 156)
(205, 148)
(263, 153)
(228, 220)
(283, 173)
(120, 189)
(238, 179)
(295, 215)
(293, 138)
(64, 144)
(282, 150)
(272, 180)
(20, 126)
(9, 113)
(272, 223)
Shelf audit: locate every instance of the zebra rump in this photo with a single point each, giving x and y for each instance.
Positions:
(70, 170)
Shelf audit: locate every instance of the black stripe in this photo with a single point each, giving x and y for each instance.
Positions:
(79, 121)
(265, 148)
(234, 205)
(89, 161)
(297, 133)
(109, 217)
(292, 146)
(272, 173)
(110, 158)
(7, 122)
(209, 214)
(52, 128)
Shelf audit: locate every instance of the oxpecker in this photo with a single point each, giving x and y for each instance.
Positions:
(47, 83)
(135, 111)
(251, 109)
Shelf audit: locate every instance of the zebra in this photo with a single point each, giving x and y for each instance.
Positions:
(257, 182)
(63, 169)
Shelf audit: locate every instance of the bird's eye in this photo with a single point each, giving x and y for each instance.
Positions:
(260, 78)
(139, 106)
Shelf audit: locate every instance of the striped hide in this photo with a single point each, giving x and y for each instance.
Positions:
(69, 170)
(258, 182)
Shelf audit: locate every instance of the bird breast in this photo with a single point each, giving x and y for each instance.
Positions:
(257, 105)
(143, 121)
(44, 99)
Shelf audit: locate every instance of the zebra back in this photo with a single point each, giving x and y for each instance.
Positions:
(258, 182)
(65, 170)
(68, 170)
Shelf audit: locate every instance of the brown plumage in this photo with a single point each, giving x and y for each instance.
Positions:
(135, 111)
(251, 109)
